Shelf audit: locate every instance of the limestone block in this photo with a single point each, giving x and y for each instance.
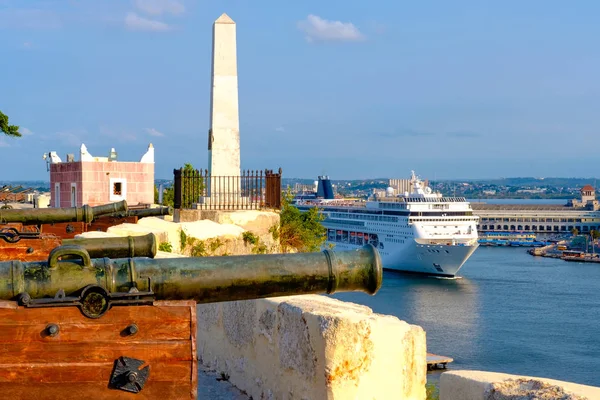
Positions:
(136, 229)
(170, 230)
(312, 347)
(481, 385)
(257, 222)
(206, 229)
(96, 234)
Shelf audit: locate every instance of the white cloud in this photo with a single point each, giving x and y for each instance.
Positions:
(25, 131)
(136, 23)
(154, 132)
(280, 129)
(319, 29)
(4, 143)
(159, 7)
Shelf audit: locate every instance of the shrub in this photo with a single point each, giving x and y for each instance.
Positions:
(165, 246)
(249, 238)
(298, 230)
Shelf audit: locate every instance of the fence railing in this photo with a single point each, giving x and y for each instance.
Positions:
(253, 190)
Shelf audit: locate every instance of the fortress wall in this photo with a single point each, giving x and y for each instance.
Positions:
(481, 385)
(312, 347)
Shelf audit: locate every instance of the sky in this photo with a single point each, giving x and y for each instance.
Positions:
(351, 89)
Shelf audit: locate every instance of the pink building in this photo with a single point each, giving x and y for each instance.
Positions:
(100, 180)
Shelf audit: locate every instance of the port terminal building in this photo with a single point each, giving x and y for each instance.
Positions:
(544, 220)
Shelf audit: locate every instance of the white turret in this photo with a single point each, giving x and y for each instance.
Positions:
(148, 157)
(84, 154)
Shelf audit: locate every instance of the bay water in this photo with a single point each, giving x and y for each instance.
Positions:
(508, 312)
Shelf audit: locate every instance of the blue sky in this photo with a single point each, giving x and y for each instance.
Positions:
(353, 89)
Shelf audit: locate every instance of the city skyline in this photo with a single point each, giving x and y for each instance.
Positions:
(453, 91)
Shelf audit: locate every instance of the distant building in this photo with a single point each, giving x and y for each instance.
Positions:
(588, 199)
(400, 186)
(100, 180)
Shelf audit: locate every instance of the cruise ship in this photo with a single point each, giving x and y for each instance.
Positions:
(418, 231)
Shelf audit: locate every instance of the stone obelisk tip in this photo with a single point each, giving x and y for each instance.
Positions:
(224, 19)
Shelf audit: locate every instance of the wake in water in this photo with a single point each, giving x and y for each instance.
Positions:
(449, 278)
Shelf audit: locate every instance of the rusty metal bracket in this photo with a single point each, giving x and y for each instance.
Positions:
(12, 235)
(128, 376)
(93, 301)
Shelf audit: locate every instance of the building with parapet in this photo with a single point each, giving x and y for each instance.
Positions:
(100, 180)
(588, 199)
(545, 219)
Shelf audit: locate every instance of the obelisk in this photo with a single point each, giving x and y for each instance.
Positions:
(224, 132)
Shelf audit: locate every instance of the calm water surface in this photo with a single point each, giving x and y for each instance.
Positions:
(510, 312)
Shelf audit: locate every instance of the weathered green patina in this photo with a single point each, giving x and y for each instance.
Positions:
(36, 216)
(203, 279)
(117, 247)
(145, 212)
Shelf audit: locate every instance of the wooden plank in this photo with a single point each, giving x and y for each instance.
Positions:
(29, 249)
(193, 330)
(176, 371)
(73, 352)
(96, 391)
(61, 229)
(79, 360)
(116, 315)
(165, 321)
(167, 329)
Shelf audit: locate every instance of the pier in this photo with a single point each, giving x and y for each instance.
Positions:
(435, 361)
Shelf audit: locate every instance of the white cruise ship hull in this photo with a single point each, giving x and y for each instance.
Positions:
(438, 260)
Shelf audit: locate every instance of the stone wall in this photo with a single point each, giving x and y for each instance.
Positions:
(242, 232)
(312, 347)
(224, 233)
(480, 385)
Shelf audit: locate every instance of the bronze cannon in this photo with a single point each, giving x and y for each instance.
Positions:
(37, 216)
(96, 285)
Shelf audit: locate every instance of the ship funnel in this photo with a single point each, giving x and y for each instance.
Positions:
(325, 188)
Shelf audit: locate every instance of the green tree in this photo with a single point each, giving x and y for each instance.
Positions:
(169, 192)
(168, 196)
(300, 231)
(195, 180)
(9, 130)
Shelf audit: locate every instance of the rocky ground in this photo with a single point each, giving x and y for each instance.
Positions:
(212, 387)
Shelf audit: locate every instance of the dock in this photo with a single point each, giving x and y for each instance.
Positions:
(435, 361)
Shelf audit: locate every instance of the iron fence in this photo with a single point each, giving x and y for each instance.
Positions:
(253, 190)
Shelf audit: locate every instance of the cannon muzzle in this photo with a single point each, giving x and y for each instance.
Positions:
(36, 216)
(203, 279)
(117, 247)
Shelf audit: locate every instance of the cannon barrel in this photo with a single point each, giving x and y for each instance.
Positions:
(35, 216)
(203, 279)
(144, 212)
(117, 247)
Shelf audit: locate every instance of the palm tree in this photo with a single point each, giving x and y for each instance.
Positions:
(9, 130)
